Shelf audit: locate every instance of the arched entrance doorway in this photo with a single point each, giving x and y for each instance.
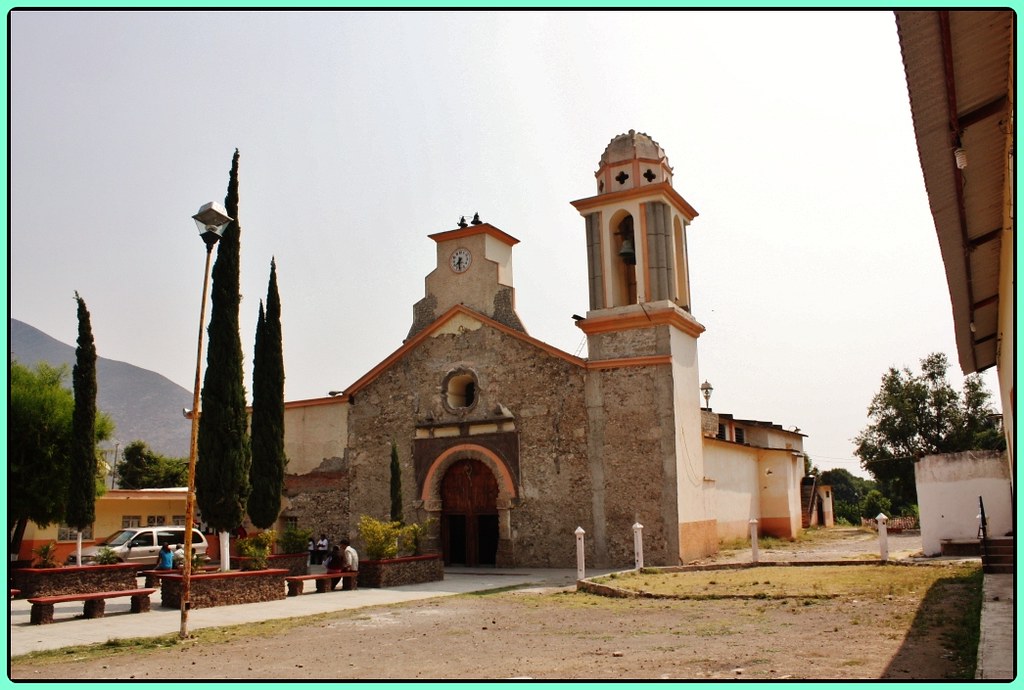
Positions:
(469, 514)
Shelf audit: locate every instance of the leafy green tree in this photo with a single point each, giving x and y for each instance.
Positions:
(914, 415)
(39, 414)
(875, 503)
(222, 468)
(848, 491)
(142, 468)
(266, 476)
(81, 508)
(396, 485)
(809, 469)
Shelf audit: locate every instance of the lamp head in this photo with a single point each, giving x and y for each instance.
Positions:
(211, 219)
(706, 389)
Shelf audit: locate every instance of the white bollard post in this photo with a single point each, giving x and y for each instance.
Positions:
(580, 559)
(755, 555)
(883, 537)
(638, 545)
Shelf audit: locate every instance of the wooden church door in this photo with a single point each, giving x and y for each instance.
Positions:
(469, 514)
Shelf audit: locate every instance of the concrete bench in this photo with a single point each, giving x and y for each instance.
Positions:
(295, 582)
(95, 603)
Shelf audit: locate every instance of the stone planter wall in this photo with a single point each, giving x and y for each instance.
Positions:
(294, 563)
(43, 582)
(224, 589)
(407, 570)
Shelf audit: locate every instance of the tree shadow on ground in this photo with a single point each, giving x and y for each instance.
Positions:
(943, 636)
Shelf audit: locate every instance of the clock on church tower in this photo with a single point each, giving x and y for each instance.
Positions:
(474, 270)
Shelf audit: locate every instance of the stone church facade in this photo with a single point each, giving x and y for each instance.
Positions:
(511, 444)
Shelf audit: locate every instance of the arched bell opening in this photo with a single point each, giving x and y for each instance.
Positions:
(624, 259)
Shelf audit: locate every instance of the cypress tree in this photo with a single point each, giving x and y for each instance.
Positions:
(81, 505)
(222, 466)
(268, 459)
(396, 485)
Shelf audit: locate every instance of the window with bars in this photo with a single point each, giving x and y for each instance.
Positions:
(740, 436)
(156, 520)
(131, 521)
(67, 533)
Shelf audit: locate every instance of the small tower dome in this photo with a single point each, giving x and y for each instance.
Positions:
(632, 160)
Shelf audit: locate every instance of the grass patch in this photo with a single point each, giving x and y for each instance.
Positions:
(777, 582)
(962, 628)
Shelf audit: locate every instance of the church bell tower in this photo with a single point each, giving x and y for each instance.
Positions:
(636, 228)
(643, 391)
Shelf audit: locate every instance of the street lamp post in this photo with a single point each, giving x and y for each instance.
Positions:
(211, 219)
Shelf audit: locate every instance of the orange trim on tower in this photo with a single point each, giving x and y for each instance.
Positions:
(640, 319)
(675, 200)
(469, 231)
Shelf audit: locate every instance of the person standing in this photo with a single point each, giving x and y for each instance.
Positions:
(321, 549)
(311, 547)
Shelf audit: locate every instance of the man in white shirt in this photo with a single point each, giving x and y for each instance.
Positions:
(350, 561)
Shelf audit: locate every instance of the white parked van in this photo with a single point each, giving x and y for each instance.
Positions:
(141, 544)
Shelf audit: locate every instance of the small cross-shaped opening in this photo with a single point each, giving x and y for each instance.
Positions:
(622, 177)
(649, 175)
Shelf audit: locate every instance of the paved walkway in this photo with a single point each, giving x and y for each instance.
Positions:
(119, 623)
(996, 657)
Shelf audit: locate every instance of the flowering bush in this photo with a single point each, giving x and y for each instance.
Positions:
(256, 549)
(380, 538)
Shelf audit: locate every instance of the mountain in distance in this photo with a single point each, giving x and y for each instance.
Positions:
(144, 405)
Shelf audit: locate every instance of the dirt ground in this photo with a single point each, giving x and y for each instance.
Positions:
(561, 634)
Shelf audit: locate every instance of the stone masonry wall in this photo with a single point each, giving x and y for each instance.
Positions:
(544, 394)
(40, 582)
(224, 589)
(633, 444)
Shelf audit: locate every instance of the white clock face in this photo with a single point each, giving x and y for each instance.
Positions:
(460, 260)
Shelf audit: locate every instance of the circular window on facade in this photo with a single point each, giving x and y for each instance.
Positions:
(460, 390)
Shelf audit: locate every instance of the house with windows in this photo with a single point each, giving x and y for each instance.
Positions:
(507, 444)
(116, 509)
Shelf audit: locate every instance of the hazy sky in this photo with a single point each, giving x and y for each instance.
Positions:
(814, 260)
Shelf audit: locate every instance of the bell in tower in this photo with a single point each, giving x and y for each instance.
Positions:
(636, 228)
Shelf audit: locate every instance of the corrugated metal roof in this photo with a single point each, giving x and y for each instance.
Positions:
(958, 78)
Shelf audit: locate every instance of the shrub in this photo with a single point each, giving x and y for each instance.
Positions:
(294, 540)
(256, 549)
(847, 513)
(106, 556)
(46, 555)
(412, 536)
(380, 538)
(875, 503)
